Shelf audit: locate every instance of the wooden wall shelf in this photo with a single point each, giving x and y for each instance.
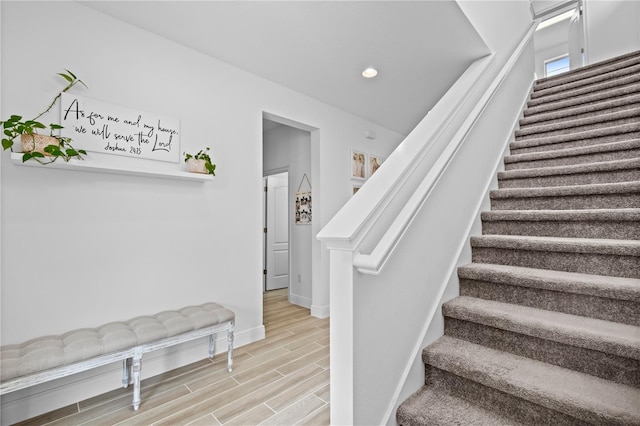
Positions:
(100, 163)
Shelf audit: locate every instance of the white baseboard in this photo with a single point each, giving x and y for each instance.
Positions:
(320, 311)
(36, 400)
(305, 302)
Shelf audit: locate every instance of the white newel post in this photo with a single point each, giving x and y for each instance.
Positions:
(341, 336)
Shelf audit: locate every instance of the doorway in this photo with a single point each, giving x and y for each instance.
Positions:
(276, 231)
(287, 148)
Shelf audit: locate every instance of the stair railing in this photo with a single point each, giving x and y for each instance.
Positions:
(354, 226)
(364, 234)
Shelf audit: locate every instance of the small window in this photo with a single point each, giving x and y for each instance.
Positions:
(556, 66)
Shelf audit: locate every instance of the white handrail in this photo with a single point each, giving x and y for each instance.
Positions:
(351, 224)
(374, 262)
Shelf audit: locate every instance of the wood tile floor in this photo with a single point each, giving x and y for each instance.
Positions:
(281, 380)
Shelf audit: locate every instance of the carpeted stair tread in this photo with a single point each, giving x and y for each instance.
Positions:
(585, 223)
(569, 190)
(587, 80)
(585, 397)
(584, 90)
(587, 71)
(571, 169)
(438, 411)
(608, 215)
(630, 113)
(589, 333)
(569, 282)
(574, 152)
(598, 106)
(561, 104)
(574, 155)
(577, 136)
(559, 244)
(623, 170)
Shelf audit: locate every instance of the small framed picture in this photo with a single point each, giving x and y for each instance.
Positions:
(303, 208)
(358, 165)
(356, 188)
(373, 164)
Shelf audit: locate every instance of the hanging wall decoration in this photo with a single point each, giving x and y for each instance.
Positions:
(113, 129)
(374, 164)
(303, 203)
(358, 165)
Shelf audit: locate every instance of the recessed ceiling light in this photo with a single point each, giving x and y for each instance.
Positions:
(369, 72)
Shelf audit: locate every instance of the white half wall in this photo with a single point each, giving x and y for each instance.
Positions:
(82, 249)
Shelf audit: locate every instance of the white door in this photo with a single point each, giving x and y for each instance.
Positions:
(576, 39)
(277, 232)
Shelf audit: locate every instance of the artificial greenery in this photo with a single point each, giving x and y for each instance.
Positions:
(203, 155)
(14, 127)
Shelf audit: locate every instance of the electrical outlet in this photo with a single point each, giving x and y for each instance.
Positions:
(299, 278)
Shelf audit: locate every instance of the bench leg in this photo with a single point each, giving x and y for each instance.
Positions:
(136, 367)
(212, 345)
(126, 371)
(230, 346)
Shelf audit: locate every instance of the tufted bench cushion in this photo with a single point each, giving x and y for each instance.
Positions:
(49, 352)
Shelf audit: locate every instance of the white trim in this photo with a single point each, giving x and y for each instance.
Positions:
(320, 311)
(305, 302)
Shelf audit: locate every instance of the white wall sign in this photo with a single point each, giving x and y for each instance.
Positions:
(112, 129)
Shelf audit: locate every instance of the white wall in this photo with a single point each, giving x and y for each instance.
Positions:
(81, 249)
(501, 24)
(290, 148)
(612, 28)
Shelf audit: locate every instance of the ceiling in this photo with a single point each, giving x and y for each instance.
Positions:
(319, 48)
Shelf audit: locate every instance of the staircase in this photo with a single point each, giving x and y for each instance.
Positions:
(546, 330)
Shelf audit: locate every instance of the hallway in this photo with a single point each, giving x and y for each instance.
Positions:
(283, 379)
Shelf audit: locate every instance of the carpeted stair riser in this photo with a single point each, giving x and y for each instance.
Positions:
(626, 149)
(607, 135)
(546, 226)
(623, 82)
(516, 409)
(607, 309)
(531, 161)
(587, 99)
(585, 174)
(604, 67)
(611, 119)
(591, 110)
(582, 332)
(519, 199)
(607, 366)
(588, 263)
(538, 384)
(540, 91)
(605, 297)
(412, 412)
(566, 282)
(612, 176)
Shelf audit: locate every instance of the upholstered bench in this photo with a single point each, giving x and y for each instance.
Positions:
(51, 357)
